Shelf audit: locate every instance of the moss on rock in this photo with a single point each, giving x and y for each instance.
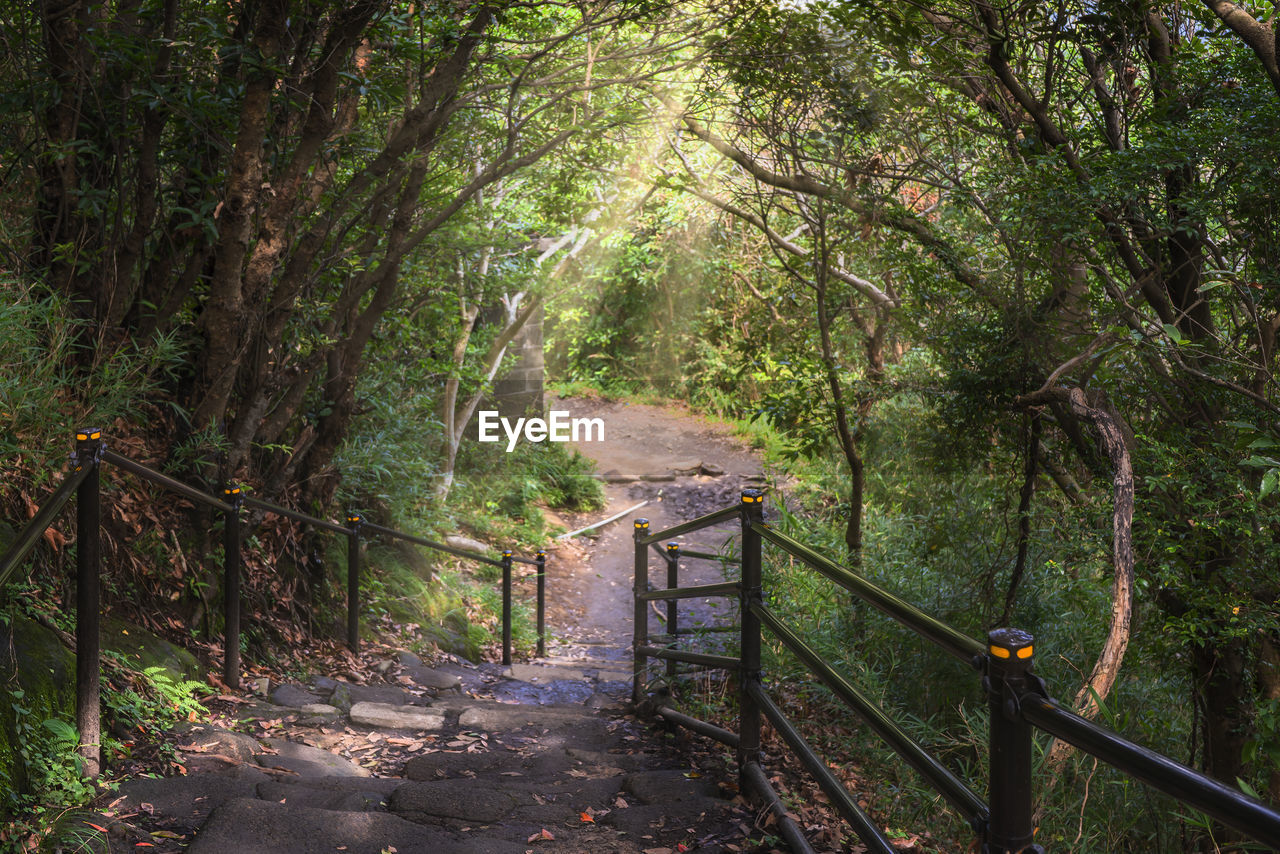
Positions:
(149, 650)
(33, 661)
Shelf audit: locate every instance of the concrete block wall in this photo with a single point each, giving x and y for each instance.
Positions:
(519, 390)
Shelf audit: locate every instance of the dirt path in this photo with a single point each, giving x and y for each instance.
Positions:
(684, 465)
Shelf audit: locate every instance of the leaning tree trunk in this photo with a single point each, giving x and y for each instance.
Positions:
(1107, 667)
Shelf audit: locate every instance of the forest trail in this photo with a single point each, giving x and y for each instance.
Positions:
(451, 757)
(684, 465)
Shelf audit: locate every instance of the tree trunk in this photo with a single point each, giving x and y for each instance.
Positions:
(1030, 470)
(1107, 667)
(845, 432)
(1220, 677)
(57, 237)
(222, 320)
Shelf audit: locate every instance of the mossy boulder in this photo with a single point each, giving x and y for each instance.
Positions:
(145, 649)
(455, 634)
(38, 681)
(33, 661)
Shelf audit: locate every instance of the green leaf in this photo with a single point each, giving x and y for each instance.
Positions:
(62, 731)
(1270, 481)
(1247, 789)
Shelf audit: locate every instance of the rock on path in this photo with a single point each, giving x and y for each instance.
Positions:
(475, 774)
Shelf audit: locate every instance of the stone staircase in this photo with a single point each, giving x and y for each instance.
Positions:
(539, 757)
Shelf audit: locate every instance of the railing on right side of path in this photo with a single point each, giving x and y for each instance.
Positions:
(1017, 699)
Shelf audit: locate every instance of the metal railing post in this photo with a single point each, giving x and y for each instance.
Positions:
(354, 521)
(89, 448)
(640, 631)
(752, 581)
(506, 607)
(1008, 661)
(231, 587)
(673, 581)
(540, 558)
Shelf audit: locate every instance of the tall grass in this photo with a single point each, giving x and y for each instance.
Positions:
(56, 381)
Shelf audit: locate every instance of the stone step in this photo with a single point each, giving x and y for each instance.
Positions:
(387, 716)
(187, 801)
(585, 661)
(569, 671)
(551, 757)
(247, 826)
(339, 799)
(306, 761)
(502, 717)
(545, 773)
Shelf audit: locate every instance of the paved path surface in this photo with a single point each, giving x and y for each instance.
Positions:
(436, 760)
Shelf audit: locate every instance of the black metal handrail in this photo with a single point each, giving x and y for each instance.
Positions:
(726, 588)
(839, 796)
(972, 807)
(1017, 702)
(83, 481)
(169, 483)
(694, 553)
(431, 544)
(709, 556)
(39, 523)
(692, 525)
(931, 629)
(295, 515)
(1212, 797)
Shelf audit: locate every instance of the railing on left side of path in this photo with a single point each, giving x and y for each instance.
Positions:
(83, 481)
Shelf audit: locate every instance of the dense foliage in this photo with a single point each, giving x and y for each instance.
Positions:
(998, 281)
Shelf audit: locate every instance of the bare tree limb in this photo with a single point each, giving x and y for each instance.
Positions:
(865, 287)
(914, 226)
